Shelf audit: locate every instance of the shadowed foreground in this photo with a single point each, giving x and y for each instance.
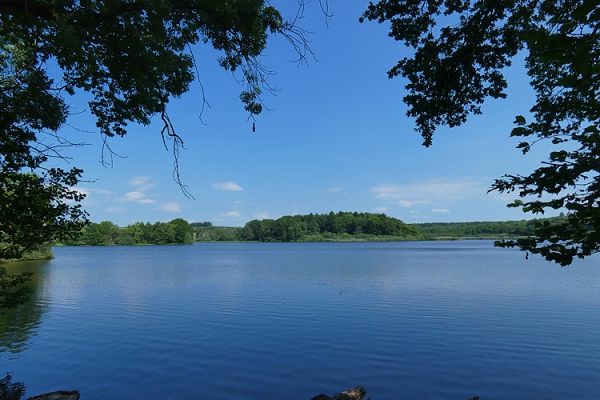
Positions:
(356, 393)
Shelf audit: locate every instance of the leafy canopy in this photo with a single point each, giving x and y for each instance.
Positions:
(131, 57)
(461, 49)
(327, 226)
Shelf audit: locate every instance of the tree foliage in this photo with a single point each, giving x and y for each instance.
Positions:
(131, 58)
(37, 204)
(479, 229)
(210, 233)
(105, 233)
(461, 51)
(345, 224)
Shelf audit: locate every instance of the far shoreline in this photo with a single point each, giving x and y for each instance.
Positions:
(357, 240)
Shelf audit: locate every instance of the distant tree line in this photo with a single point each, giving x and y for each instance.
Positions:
(339, 225)
(210, 233)
(312, 227)
(483, 229)
(363, 226)
(205, 224)
(106, 233)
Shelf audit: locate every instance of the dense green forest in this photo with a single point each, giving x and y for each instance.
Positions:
(39, 252)
(177, 231)
(478, 230)
(312, 227)
(332, 226)
(341, 226)
(360, 226)
(206, 232)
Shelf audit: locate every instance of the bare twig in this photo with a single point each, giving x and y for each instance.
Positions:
(168, 132)
(204, 101)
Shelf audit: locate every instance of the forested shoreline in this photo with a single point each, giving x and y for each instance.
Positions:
(106, 233)
(348, 226)
(479, 229)
(330, 227)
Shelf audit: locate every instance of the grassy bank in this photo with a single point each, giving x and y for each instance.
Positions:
(42, 252)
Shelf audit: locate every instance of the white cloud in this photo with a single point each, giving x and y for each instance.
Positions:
(336, 189)
(141, 183)
(134, 196)
(139, 180)
(231, 214)
(410, 203)
(115, 209)
(138, 197)
(381, 210)
(228, 186)
(430, 191)
(171, 207)
(440, 210)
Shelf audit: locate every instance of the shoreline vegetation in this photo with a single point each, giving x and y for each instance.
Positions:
(41, 252)
(362, 227)
(330, 227)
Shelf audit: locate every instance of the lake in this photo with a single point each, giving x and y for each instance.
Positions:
(411, 320)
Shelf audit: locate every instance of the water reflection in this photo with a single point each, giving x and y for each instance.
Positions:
(275, 320)
(18, 325)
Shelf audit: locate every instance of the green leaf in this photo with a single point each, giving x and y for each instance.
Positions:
(520, 120)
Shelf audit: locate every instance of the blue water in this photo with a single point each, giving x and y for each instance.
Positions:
(416, 320)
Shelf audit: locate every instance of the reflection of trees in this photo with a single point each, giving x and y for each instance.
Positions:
(18, 324)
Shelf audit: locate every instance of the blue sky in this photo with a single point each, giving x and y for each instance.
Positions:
(335, 137)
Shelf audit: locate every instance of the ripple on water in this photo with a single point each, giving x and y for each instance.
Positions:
(254, 321)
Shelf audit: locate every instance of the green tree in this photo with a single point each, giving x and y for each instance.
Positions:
(461, 50)
(131, 234)
(131, 57)
(295, 228)
(163, 233)
(183, 232)
(106, 233)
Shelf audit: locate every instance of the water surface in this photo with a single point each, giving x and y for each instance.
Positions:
(414, 320)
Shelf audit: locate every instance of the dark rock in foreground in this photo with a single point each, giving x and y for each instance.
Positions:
(60, 395)
(357, 393)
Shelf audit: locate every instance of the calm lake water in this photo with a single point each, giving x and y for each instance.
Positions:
(416, 320)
